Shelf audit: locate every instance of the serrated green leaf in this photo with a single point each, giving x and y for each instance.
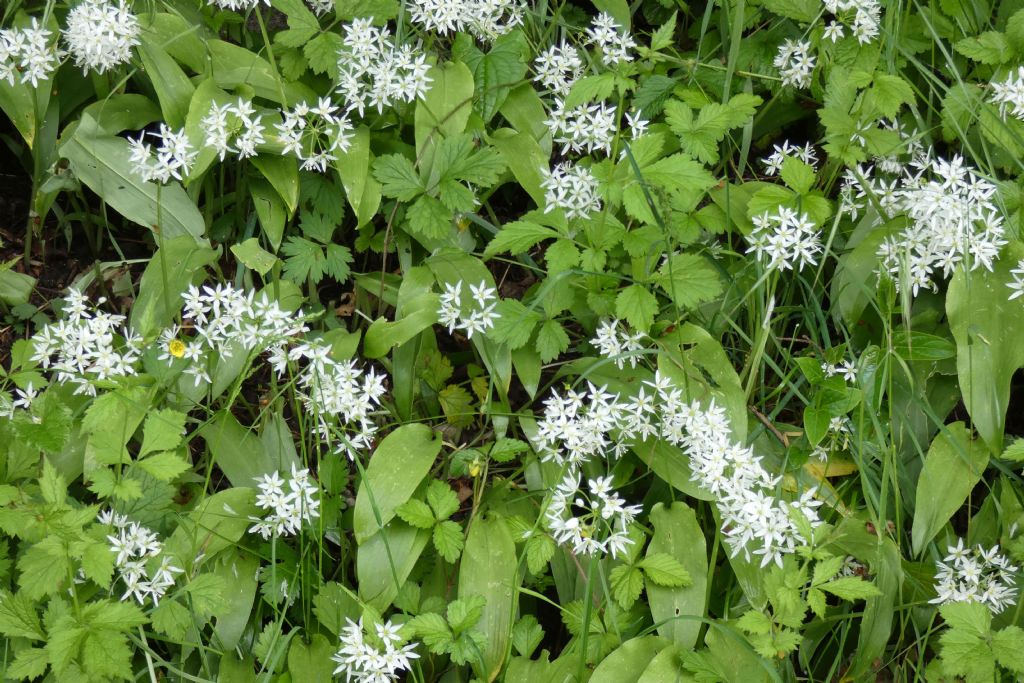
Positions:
(990, 47)
(162, 431)
(689, 280)
(627, 582)
(637, 306)
(851, 588)
(527, 634)
(416, 513)
(18, 617)
(448, 540)
(665, 570)
(397, 177)
(505, 450)
(518, 237)
(429, 217)
(552, 340)
(29, 664)
(442, 499)
(164, 466)
(540, 548)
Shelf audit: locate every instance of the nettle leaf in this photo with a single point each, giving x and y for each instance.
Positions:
(429, 217)
(162, 431)
(518, 237)
(552, 340)
(562, 255)
(665, 570)
(457, 405)
(540, 548)
(397, 177)
(700, 137)
(29, 664)
(516, 324)
(18, 617)
(591, 89)
(689, 280)
(505, 450)
(322, 53)
(442, 499)
(886, 95)
(449, 540)
(416, 513)
(166, 466)
(653, 92)
(637, 306)
(991, 47)
(627, 582)
(851, 588)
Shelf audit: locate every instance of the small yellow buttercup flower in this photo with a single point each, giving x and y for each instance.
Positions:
(176, 348)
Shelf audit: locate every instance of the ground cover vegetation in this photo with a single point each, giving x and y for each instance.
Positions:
(496, 340)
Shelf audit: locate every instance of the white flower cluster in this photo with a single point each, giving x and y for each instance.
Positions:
(592, 522)
(846, 368)
(865, 16)
(572, 188)
(558, 68)
(585, 129)
(379, 662)
(614, 45)
(89, 345)
(1009, 95)
(795, 63)
(451, 314)
(1017, 285)
(288, 508)
(237, 5)
(373, 73)
(583, 426)
(485, 19)
(225, 321)
(618, 344)
(22, 398)
(836, 436)
(953, 219)
(314, 134)
(773, 162)
(136, 546)
(27, 52)
(340, 395)
(976, 575)
(233, 129)
(174, 156)
(100, 35)
(785, 240)
(752, 515)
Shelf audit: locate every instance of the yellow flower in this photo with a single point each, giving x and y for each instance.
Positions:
(176, 348)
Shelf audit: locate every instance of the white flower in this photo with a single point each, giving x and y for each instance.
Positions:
(572, 188)
(374, 74)
(233, 123)
(90, 346)
(174, 156)
(27, 52)
(135, 547)
(558, 68)
(237, 5)
(617, 344)
(794, 63)
(614, 44)
(833, 32)
(846, 368)
(1018, 281)
(584, 129)
(485, 19)
(953, 220)
(314, 134)
(1009, 95)
(290, 503)
(452, 313)
(363, 661)
(976, 575)
(865, 16)
(100, 34)
(593, 522)
(774, 161)
(785, 240)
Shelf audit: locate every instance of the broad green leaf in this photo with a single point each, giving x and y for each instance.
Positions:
(954, 464)
(689, 280)
(494, 72)
(173, 88)
(237, 451)
(445, 109)
(216, 523)
(397, 467)
(253, 256)
(627, 663)
(525, 158)
(489, 568)
(666, 667)
(311, 663)
(987, 328)
(362, 191)
(990, 47)
(101, 161)
(678, 535)
(385, 560)
(334, 605)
